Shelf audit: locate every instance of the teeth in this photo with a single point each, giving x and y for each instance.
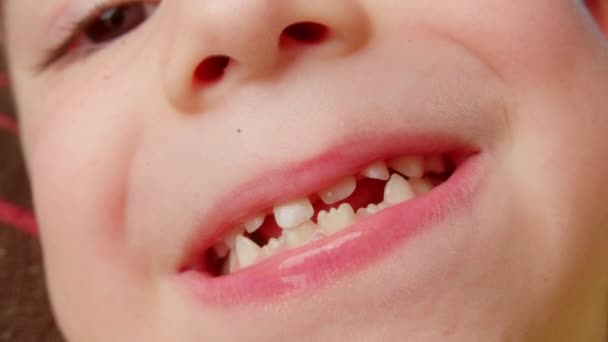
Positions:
(420, 185)
(247, 251)
(221, 250)
(272, 247)
(377, 170)
(229, 239)
(254, 224)
(292, 214)
(300, 235)
(369, 210)
(232, 265)
(412, 167)
(339, 191)
(397, 190)
(435, 164)
(336, 219)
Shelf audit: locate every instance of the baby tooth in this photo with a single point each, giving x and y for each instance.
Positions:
(337, 219)
(300, 235)
(247, 251)
(229, 239)
(221, 250)
(420, 185)
(339, 191)
(397, 190)
(435, 164)
(292, 214)
(231, 265)
(409, 166)
(377, 170)
(254, 224)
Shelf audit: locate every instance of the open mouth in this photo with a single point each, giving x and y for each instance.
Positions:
(301, 221)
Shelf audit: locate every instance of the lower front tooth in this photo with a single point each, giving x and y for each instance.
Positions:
(397, 190)
(273, 246)
(336, 219)
(247, 251)
(231, 265)
(300, 235)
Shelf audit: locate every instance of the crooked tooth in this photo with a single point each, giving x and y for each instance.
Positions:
(339, 191)
(254, 224)
(300, 235)
(410, 166)
(247, 251)
(421, 186)
(336, 219)
(294, 213)
(377, 170)
(397, 190)
(435, 164)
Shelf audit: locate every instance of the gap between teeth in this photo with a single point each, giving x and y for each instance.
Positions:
(296, 217)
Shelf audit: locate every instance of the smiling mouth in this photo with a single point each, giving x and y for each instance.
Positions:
(317, 217)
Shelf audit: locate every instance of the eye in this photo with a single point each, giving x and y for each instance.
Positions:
(114, 22)
(102, 25)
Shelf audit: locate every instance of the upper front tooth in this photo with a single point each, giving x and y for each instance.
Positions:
(339, 191)
(435, 164)
(247, 251)
(336, 219)
(421, 185)
(294, 213)
(397, 190)
(409, 166)
(254, 224)
(377, 170)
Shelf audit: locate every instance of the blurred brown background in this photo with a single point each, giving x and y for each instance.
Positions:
(25, 315)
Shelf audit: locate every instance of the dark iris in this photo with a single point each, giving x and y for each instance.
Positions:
(115, 22)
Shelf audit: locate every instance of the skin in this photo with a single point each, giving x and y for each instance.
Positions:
(125, 155)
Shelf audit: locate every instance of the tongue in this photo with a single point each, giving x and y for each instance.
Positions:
(368, 191)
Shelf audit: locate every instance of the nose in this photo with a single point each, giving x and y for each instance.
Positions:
(214, 47)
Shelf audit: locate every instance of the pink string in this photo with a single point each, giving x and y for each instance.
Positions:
(19, 218)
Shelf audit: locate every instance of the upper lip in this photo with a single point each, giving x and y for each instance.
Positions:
(311, 175)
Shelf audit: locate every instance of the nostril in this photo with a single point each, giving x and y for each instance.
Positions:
(211, 69)
(304, 32)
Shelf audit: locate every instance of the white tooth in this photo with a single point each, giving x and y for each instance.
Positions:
(273, 246)
(339, 191)
(397, 190)
(435, 164)
(300, 235)
(229, 239)
(221, 250)
(409, 166)
(421, 185)
(247, 251)
(377, 170)
(294, 213)
(254, 224)
(367, 211)
(336, 219)
(231, 265)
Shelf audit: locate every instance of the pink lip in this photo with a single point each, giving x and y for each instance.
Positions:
(308, 267)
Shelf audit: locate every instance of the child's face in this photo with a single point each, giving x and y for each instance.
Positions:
(144, 157)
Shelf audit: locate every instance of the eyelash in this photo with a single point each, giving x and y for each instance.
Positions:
(77, 30)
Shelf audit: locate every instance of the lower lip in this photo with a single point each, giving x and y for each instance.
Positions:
(304, 269)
